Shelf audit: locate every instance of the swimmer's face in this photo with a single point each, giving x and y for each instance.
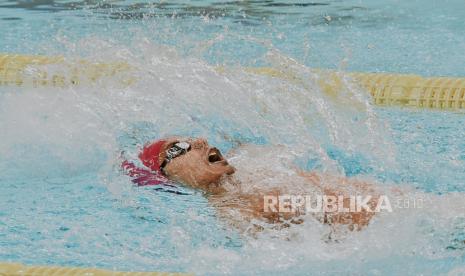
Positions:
(200, 167)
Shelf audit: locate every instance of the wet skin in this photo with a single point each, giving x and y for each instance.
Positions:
(203, 167)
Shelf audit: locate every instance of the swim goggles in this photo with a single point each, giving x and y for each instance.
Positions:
(174, 151)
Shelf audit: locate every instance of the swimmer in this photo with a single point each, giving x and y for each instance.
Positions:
(238, 193)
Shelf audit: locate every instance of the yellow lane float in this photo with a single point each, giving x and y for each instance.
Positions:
(17, 269)
(386, 89)
(37, 71)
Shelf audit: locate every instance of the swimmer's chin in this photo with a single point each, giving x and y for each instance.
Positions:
(219, 185)
(227, 174)
(223, 168)
(230, 170)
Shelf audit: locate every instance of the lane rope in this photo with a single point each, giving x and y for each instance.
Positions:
(18, 269)
(385, 89)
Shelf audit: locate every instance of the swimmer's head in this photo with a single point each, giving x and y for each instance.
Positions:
(190, 161)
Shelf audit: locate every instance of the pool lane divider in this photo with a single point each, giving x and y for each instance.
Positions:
(17, 269)
(385, 89)
(57, 71)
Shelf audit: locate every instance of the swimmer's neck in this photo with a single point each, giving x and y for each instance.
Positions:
(222, 187)
(216, 190)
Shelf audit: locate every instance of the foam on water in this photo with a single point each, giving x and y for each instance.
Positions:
(62, 148)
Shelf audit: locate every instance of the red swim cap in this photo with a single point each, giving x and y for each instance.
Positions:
(150, 155)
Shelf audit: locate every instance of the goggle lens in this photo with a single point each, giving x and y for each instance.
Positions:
(176, 150)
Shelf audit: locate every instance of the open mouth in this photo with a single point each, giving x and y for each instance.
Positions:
(214, 156)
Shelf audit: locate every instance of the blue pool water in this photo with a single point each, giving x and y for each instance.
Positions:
(64, 201)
